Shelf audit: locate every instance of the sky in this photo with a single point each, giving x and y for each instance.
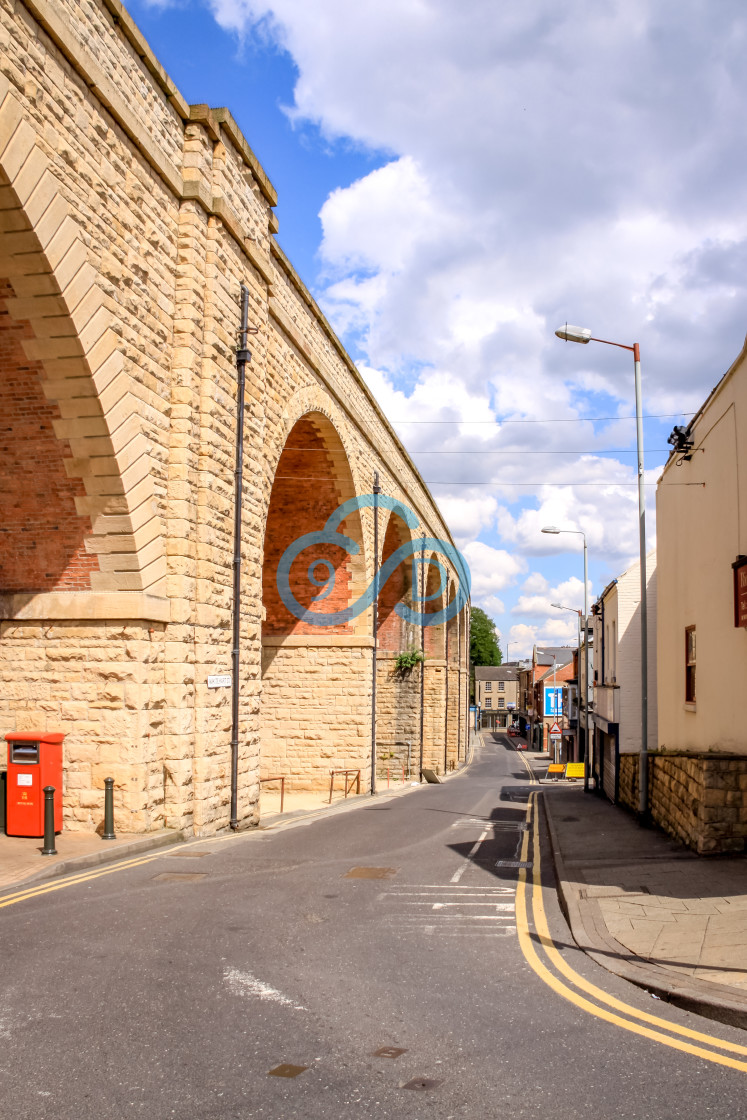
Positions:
(457, 180)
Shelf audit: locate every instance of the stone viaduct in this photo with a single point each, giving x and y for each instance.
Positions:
(129, 220)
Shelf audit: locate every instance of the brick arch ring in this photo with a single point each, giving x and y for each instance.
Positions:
(58, 293)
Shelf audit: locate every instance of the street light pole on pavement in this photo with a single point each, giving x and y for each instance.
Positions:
(587, 751)
(584, 336)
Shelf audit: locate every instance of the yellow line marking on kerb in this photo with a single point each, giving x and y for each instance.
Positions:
(530, 954)
(121, 865)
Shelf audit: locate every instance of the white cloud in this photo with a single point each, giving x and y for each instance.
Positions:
(569, 593)
(491, 569)
(532, 174)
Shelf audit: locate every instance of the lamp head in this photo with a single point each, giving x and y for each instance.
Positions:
(558, 606)
(550, 529)
(574, 334)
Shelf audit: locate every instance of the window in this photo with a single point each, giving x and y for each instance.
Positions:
(488, 702)
(690, 665)
(488, 686)
(501, 701)
(501, 686)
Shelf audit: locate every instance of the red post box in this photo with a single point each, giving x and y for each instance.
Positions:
(34, 761)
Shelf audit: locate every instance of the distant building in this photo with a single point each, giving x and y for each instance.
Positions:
(497, 693)
(617, 678)
(541, 686)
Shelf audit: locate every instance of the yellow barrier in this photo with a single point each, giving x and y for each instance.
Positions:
(574, 770)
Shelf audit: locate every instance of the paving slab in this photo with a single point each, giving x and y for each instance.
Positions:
(648, 909)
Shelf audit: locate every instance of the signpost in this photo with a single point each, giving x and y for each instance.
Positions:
(556, 735)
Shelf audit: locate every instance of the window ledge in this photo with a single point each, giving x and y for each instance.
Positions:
(690, 706)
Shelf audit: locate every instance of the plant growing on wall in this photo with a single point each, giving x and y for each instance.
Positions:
(407, 660)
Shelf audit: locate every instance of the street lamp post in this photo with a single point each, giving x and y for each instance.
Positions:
(584, 336)
(587, 751)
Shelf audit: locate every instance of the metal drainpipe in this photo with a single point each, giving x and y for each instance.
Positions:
(446, 716)
(242, 357)
(422, 663)
(459, 689)
(375, 623)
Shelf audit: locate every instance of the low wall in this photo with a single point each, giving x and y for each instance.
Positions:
(700, 799)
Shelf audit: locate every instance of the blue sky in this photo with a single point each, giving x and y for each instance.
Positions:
(454, 183)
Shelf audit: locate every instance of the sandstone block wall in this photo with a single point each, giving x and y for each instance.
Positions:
(699, 799)
(129, 220)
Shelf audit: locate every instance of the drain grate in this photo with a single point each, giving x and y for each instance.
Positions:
(389, 1052)
(285, 1069)
(370, 873)
(513, 863)
(179, 876)
(422, 1083)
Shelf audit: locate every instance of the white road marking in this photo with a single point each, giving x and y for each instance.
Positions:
(492, 905)
(473, 851)
(245, 984)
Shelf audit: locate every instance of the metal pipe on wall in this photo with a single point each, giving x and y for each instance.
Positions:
(375, 626)
(242, 357)
(446, 714)
(422, 663)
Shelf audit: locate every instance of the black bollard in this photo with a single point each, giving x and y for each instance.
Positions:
(109, 833)
(49, 848)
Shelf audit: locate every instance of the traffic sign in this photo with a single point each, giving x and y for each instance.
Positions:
(555, 729)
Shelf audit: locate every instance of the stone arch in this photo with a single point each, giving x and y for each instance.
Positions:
(315, 707)
(395, 634)
(435, 645)
(72, 373)
(312, 478)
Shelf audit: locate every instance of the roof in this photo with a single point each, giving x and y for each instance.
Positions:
(496, 672)
(560, 654)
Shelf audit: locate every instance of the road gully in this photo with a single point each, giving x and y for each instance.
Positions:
(407, 958)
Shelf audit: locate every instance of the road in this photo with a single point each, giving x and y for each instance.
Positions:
(171, 987)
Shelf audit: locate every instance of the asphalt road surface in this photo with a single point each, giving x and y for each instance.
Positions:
(405, 958)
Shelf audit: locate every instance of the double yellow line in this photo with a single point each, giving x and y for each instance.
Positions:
(622, 1015)
(120, 865)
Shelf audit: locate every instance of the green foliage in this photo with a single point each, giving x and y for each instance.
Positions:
(408, 659)
(483, 641)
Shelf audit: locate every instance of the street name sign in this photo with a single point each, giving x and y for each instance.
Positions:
(220, 680)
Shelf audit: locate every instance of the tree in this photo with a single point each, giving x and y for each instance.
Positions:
(483, 641)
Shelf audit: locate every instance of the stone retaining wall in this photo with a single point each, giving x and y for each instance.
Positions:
(700, 799)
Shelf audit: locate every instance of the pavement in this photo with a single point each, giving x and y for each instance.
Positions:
(648, 909)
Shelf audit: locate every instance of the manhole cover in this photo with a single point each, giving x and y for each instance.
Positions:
(421, 1083)
(285, 1069)
(370, 873)
(389, 1052)
(179, 876)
